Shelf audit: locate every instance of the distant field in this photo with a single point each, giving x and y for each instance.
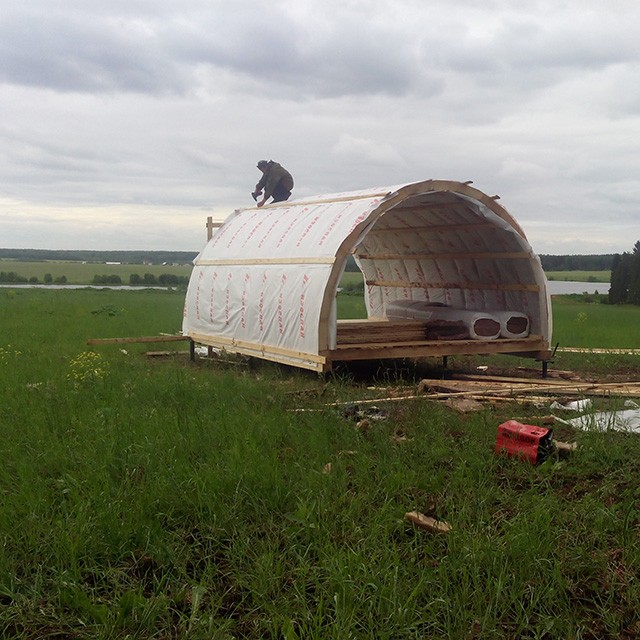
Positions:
(83, 273)
(579, 276)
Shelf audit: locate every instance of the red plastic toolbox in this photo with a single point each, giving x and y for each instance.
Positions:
(524, 441)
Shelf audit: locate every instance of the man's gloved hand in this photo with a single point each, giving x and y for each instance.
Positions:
(255, 195)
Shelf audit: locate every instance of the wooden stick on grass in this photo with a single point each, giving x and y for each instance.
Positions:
(426, 523)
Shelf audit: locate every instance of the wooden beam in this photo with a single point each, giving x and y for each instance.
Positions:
(306, 203)
(528, 386)
(139, 339)
(247, 261)
(517, 255)
(436, 348)
(629, 352)
(211, 225)
(436, 228)
(436, 206)
(472, 377)
(533, 288)
(256, 349)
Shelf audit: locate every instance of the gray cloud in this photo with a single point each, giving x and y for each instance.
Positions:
(133, 114)
(84, 53)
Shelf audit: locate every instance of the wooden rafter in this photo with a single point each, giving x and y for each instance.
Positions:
(435, 228)
(488, 286)
(247, 261)
(516, 255)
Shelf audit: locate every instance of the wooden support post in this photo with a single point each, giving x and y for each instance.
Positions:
(211, 225)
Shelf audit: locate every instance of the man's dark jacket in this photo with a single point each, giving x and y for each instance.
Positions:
(274, 174)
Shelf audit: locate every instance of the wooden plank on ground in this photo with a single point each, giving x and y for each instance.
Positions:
(506, 379)
(165, 354)
(139, 339)
(630, 352)
(451, 388)
(427, 523)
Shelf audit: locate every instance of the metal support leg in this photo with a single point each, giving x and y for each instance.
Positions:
(445, 362)
(192, 350)
(545, 368)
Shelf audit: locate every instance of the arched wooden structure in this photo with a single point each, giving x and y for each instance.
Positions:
(439, 258)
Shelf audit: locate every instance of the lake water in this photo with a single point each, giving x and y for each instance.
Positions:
(561, 287)
(126, 287)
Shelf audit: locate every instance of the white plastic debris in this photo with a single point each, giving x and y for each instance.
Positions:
(575, 405)
(203, 351)
(626, 420)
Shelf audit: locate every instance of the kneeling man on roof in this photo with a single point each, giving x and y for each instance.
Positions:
(276, 182)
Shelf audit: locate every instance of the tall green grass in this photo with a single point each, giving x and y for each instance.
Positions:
(589, 324)
(169, 499)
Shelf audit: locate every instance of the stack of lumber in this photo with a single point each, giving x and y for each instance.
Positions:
(499, 387)
(406, 331)
(380, 331)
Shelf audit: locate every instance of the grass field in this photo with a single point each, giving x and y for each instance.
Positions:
(146, 498)
(580, 276)
(83, 273)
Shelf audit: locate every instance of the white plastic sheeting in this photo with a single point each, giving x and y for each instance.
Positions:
(625, 420)
(262, 278)
(267, 279)
(479, 325)
(513, 324)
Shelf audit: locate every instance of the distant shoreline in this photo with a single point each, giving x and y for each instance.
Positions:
(554, 287)
(565, 287)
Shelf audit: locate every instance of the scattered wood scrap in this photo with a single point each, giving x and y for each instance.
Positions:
(464, 405)
(551, 373)
(139, 339)
(630, 352)
(488, 387)
(426, 523)
(366, 401)
(495, 389)
(165, 354)
(565, 449)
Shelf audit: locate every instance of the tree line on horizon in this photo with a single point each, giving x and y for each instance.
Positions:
(148, 279)
(125, 257)
(601, 262)
(625, 277)
(587, 262)
(135, 279)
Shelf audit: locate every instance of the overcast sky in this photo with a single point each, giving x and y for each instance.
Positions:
(124, 124)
